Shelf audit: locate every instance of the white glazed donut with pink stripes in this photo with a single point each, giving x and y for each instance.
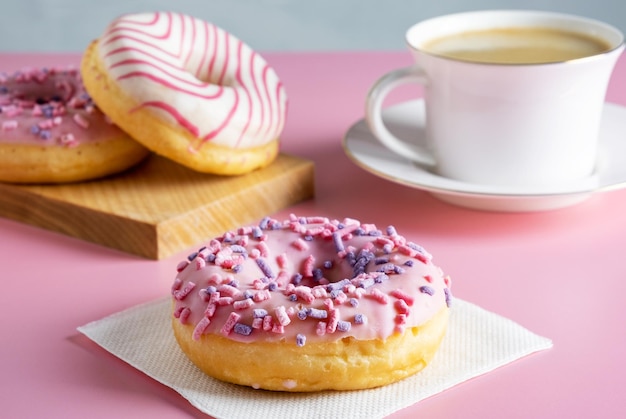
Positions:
(185, 70)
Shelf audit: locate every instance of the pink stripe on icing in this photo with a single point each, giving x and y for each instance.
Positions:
(173, 112)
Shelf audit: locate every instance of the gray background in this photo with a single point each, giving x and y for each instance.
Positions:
(266, 25)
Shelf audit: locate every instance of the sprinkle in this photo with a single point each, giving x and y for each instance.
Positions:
(379, 296)
(200, 328)
(180, 294)
(261, 295)
(263, 249)
(316, 313)
(242, 329)
(9, 125)
(300, 340)
(339, 247)
(183, 314)
(398, 293)
(300, 244)
(232, 320)
(354, 302)
(259, 313)
(344, 326)
(278, 328)
(308, 266)
(401, 307)
(320, 329)
(268, 323)
(281, 260)
(333, 320)
(244, 304)
(80, 120)
(265, 268)
(209, 311)
(360, 319)
(281, 316)
(427, 290)
(446, 291)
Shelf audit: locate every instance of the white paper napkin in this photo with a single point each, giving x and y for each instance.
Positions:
(477, 342)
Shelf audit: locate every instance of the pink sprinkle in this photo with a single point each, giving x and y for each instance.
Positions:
(262, 295)
(332, 320)
(304, 292)
(9, 125)
(300, 244)
(214, 246)
(230, 291)
(180, 294)
(428, 278)
(184, 315)
(257, 323)
(215, 297)
(340, 297)
(447, 281)
(225, 301)
(68, 140)
(320, 329)
(379, 296)
(200, 328)
(281, 316)
(209, 311)
(232, 320)
(257, 284)
(243, 241)
(400, 319)
(401, 307)
(314, 231)
(80, 120)
(244, 231)
(278, 328)
(246, 303)
(215, 279)
(268, 323)
(45, 124)
(308, 266)
(254, 254)
(319, 292)
(200, 263)
(282, 278)
(317, 220)
(57, 120)
(281, 260)
(177, 283)
(264, 249)
(178, 311)
(398, 293)
(328, 303)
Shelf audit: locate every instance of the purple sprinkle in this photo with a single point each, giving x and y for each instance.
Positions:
(391, 231)
(308, 238)
(237, 268)
(380, 278)
(359, 232)
(343, 326)
(264, 223)
(265, 268)
(273, 286)
(388, 248)
(328, 264)
(44, 134)
(398, 270)
(237, 248)
(335, 293)
(341, 226)
(360, 319)
(375, 233)
(257, 233)
(446, 291)
(192, 256)
(366, 282)
(211, 289)
(302, 314)
(259, 313)
(409, 263)
(293, 297)
(248, 294)
(242, 329)
(354, 302)
(427, 290)
(296, 278)
(381, 260)
(317, 313)
(337, 240)
(317, 274)
(35, 129)
(234, 283)
(337, 285)
(210, 258)
(300, 339)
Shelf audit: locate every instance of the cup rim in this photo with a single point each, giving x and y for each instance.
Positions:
(448, 24)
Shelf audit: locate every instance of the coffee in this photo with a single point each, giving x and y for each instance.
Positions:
(517, 45)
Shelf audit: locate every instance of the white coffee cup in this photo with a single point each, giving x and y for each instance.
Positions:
(516, 125)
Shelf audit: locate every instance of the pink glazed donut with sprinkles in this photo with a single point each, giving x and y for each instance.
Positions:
(310, 304)
(188, 90)
(51, 131)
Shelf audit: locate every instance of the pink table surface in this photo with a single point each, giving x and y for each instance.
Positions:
(562, 274)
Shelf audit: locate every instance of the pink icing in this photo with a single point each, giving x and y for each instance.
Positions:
(49, 107)
(196, 75)
(260, 284)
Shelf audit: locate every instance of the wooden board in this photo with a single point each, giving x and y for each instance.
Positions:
(159, 207)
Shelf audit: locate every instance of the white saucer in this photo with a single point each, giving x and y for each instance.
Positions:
(406, 120)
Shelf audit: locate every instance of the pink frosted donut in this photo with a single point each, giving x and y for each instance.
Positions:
(50, 130)
(188, 90)
(309, 304)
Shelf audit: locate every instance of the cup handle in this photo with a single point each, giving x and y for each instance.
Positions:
(373, 113)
